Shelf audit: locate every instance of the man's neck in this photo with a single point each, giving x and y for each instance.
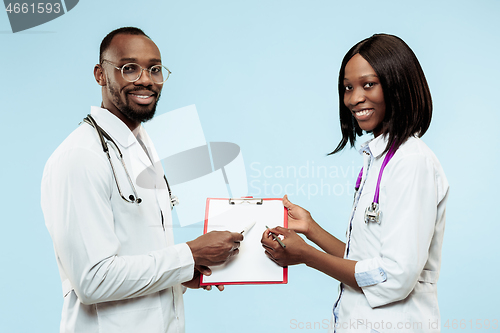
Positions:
(131, 124)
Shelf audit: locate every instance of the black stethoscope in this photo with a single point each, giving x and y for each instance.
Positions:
(131, 198)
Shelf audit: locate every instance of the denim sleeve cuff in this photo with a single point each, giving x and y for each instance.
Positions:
(371, 277)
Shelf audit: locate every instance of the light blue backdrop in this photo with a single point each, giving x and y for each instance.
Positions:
(263, 75)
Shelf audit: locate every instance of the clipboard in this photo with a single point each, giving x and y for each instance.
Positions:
(251, 265)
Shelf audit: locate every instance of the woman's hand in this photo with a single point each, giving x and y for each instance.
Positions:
(297, 251)
(294, 251)
(194, 283)
(299, 219)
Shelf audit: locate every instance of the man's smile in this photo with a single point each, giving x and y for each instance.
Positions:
(143, 97)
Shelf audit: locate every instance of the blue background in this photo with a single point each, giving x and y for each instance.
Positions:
(263, 75)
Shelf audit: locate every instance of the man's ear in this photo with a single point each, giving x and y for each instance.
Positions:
(99, 75)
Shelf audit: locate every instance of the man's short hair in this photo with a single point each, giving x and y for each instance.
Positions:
(121, 31)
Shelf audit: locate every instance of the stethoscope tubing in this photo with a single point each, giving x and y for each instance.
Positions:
(372, 212)
(102, 135)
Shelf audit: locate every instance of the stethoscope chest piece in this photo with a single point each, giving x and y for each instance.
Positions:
(372, 213)
(174, 201)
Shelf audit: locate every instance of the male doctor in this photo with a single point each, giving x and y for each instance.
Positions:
(120, 269)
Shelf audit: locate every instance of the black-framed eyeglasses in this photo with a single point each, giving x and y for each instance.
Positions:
(131, 72)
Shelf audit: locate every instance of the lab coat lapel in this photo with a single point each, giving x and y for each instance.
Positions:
(378, 145)
(115, 128)
(146, 162)
(144, 170)
(161, 187)
(148, 159)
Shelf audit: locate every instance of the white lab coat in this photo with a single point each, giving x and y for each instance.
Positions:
(120, 269)
(398, 260)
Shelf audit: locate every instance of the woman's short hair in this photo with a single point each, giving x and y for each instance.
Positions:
(407, 97)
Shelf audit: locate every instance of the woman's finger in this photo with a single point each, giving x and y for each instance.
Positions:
(287, 203)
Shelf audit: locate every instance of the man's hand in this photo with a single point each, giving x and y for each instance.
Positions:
(194, 283)
(215, 247)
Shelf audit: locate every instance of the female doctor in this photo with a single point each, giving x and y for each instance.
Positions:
(389, 265)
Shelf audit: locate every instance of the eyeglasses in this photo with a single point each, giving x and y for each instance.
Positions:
(131, 72)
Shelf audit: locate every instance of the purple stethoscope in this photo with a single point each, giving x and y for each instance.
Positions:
(372, 212)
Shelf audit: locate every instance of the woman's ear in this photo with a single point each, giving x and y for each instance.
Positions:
(99, 75)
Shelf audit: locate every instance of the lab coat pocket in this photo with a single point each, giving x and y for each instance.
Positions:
(140, 314)
(425, 302)
(383, 319)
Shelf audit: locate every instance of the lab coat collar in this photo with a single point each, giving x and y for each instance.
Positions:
(375, 146)
(113, 126)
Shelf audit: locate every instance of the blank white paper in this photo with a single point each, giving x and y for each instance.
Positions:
(251, 264)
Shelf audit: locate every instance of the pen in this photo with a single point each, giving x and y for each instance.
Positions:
(247, 228)
(276, 238)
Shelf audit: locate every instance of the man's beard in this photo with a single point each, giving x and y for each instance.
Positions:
(134, 114)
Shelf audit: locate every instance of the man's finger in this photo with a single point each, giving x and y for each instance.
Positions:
(237, 237)
(203, 270)
(235, 246)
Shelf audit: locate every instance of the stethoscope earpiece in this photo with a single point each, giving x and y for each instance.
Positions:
(133, 199)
